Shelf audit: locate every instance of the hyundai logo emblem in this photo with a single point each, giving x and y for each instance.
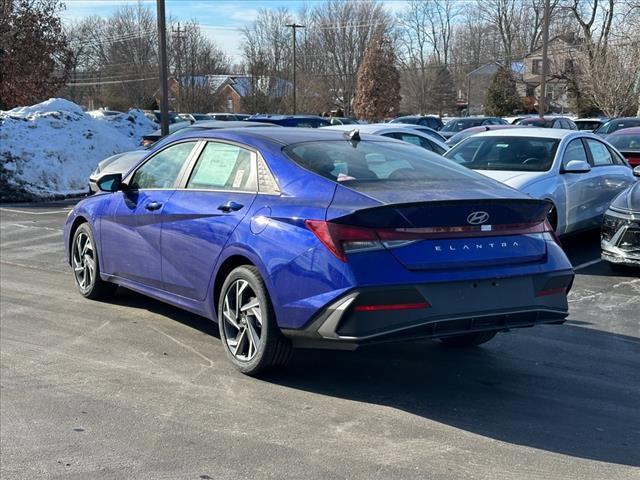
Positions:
(477, 218)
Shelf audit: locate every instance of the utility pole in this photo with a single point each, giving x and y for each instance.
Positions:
(542, 103)
(178, 36)
(294, 26)
(164, 84)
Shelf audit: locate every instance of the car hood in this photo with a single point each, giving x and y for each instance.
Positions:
(628, 200)
(511, 178)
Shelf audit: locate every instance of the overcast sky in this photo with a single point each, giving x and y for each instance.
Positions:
(219, 19)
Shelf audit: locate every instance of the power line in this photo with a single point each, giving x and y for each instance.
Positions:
(112, 82)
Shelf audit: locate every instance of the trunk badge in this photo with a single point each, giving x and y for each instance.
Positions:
(477, 218)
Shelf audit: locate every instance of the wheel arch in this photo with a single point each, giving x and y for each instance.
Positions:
(79, 220)
(234, 258)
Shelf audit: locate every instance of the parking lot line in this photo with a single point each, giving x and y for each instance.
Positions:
(587, 264)
(26, 212)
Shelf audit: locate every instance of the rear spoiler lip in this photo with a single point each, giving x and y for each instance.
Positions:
(344, 218)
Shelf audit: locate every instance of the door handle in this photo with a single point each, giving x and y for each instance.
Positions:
(230, 207)
(153, 205)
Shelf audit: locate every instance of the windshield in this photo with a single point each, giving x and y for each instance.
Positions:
(625, 142)
(372, 161)
(459, 125)
(613, 125)
(526, 154)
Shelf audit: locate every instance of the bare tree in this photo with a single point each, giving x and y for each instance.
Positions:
(266, 46)
(342, 30)
(194, 57)
(612, 83)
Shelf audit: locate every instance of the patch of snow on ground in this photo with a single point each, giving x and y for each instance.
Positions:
(51, 148)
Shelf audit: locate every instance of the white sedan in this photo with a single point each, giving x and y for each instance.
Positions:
(577, 171)
(404, 133)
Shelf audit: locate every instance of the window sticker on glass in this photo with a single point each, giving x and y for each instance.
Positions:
(237, 182)
(502, 145)
(222, 166)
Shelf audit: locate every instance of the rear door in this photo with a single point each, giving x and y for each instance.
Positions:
(197, 222)
(130, 231)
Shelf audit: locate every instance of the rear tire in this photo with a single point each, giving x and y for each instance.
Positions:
(86, 266)
(250, 335)
(468, 340)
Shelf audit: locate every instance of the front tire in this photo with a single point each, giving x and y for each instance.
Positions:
(468, 340)
(86, 267)
(250, 335)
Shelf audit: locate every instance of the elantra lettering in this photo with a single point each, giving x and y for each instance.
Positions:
(476, 246)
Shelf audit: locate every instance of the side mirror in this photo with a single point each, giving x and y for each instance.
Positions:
(111, 182)
(576, 166)
(636, 171)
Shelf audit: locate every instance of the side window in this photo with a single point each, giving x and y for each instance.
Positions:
(617, 158)
(409, 138)
(599, 153)
(575, 151)
(224, 167)
(162, 170)
(436, 148)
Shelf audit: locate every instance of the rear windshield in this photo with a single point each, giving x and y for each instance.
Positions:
(587, 124)
(613, 125)
(624, 142)
(371, 161)
(459, 125)
(539, 122)
(526, 154)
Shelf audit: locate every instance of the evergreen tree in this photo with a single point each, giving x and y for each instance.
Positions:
(378, 82)
(443, 95)
(502, 96)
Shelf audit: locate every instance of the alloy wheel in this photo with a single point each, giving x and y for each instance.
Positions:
(242, 320)
(84, 261)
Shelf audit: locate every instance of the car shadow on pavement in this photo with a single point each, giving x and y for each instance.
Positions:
(128, 298)
(568, 389)
(564, 389)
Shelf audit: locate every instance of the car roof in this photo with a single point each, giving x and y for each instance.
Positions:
(417, 116)
(365, 128)
(276, 134)
(283, 117)
(558, 133)
(226, 124)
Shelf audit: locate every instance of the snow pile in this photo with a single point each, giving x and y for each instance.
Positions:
(51, 148)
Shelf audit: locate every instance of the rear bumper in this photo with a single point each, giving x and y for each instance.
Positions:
(437, 310)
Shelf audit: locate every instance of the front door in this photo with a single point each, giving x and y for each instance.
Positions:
(580, 189)
(130, 231)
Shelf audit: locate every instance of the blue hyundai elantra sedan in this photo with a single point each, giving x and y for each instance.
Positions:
(307, 238)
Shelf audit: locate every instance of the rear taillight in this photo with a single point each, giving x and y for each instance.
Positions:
(146, 143)
(342, 239)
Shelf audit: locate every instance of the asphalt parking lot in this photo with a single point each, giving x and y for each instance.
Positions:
(137, 389)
